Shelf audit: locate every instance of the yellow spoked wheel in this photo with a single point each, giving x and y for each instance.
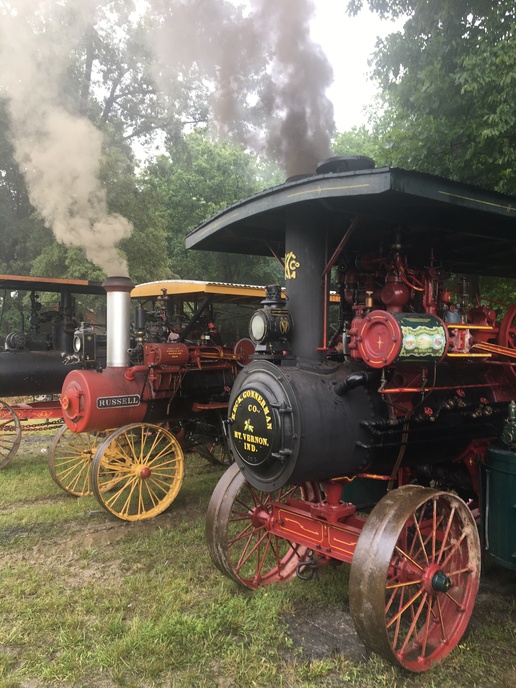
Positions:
(70, 456)
(10, 434)
(137, 471)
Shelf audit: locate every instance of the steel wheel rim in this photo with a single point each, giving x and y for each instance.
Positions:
(414, 576)
(239, 544)
(137, 471)
(10, 435)
(70, 458)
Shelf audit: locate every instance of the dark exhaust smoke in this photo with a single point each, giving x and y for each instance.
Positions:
(284, 113)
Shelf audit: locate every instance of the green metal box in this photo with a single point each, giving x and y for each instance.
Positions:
(499, 505)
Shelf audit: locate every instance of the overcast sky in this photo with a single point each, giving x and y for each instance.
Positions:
(348, 42)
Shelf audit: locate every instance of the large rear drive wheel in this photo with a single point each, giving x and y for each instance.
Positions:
(137, 471)
(240, 545)
(414, 576)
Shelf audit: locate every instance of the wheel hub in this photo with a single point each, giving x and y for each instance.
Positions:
(145, 472)
(435, 580)
(259, 516)
(440, 582)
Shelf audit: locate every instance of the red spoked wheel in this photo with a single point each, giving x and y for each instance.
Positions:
(507, 333)
(240, 544)
(414, 576)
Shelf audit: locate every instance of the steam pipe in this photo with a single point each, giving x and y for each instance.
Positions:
(118, 302)
(354, 380)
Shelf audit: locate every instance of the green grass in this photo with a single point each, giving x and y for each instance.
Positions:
(88, 601)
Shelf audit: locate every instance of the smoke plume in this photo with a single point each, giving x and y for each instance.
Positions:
(267, 79)
(299, 114)
(57, 152)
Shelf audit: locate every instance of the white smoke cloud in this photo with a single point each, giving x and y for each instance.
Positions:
(58, 152)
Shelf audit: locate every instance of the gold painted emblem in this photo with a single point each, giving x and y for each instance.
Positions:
(291, 265)
(284, 326)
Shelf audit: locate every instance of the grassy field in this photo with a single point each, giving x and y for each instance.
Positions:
(89, 601)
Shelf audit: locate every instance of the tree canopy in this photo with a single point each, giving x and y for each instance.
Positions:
(194, 179)
(97, 80)
(447, 85)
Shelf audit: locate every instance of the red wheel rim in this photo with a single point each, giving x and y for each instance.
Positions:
(507, 333)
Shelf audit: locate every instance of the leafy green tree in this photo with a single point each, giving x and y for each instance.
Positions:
(17, 220)
(196, 179)
(447, 83)
(359, 141)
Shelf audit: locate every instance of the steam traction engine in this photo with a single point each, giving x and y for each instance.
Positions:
(160, 392)
(404, 412)
(38, 355)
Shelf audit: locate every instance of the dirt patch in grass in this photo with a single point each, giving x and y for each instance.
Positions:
(320, 633)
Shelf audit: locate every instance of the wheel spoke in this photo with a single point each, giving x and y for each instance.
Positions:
(249, 530)
(446, 535)
(126, 483)
(404, 584)
(441, 620)
(247, 554)
(455, 602)
(452, 574)
(412, 626)
(147, 458)
(404, 608)
(429, 614)
(262, 557)
(420, 539)
(412, 561)
(454, 548)
(398, 621)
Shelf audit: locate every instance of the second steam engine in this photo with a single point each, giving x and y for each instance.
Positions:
(147, 379)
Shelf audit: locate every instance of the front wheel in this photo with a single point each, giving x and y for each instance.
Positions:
(239, 543)
(414, 576)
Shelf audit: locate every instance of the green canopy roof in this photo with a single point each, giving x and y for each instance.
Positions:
(467, 229)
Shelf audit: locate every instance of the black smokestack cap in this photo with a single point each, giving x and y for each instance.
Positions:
(345, 163)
